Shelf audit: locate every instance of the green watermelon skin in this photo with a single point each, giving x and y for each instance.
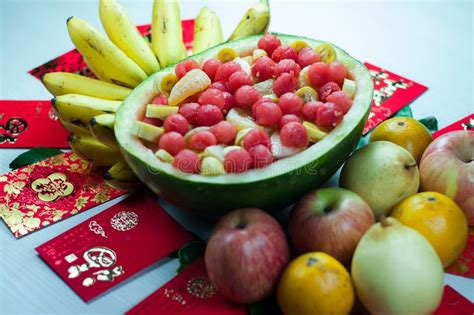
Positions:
(274, 187)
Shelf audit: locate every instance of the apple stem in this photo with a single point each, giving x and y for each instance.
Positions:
(383, 221)
(407, 166)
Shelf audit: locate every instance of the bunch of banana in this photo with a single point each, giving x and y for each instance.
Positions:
(255, 21)
(122, 60)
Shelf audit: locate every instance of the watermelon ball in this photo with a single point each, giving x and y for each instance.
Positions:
(208, 115)
(263, 68)
(289, 103)
(310, 110)
(193, 98)
(268, 114)
(160, 100)
(294, 134)
(329, 115)
(224, 71)
(153, 121)
(213, 97)
(261, 156)
(269, 43)
(184, 67)
(246, 96)
(187, 161)
(284, 52)
(238, 79)
(229, 102)
(237, 161)
(210, 67)
(307, 56)
(176, 122)
(287, 66)
(340, 98)
(224, 132)
(255, 137)
(284, 83)
(289, 118)
(189, 111)
(172, 142)
(327, 89)
(219, 85)
(257, 103)
(318, 74)
(201, 140)
(337, 72)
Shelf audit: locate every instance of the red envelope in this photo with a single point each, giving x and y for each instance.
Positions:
(464, 266)
(49, 191)
(466, 123)
(112, 246)
(190, 293)
(454, 303)
(72, 60)
(391, 93)
(28, 124)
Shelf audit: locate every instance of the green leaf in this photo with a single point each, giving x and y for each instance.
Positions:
(430, 122)
(190, 252)
(404, 112)
(32, 156)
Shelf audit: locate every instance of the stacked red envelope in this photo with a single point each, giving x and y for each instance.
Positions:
(27, 124)
(40, 194)
(112, 246)
(454, 303)
(190, 293)
(391, 93)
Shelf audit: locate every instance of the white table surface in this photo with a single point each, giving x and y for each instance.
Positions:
(429, 42)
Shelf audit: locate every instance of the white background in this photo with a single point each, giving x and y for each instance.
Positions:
(430, 42)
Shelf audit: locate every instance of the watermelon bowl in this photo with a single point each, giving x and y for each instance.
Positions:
(271, 188)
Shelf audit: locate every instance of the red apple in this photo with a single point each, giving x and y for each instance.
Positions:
(447, 167)
(331, 220)
(246, 254)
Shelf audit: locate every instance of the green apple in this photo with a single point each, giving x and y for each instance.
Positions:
(382, 173)
(395, 270)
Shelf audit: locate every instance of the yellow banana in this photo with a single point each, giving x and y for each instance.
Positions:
(255, 21)
(76, 128)
(121, 171)
(93, 151)
(102, 128)
(106, 60)
(60, 83)
(207, 30)
(122, 177)
(123, 33)
(167, 32)
(79, 109)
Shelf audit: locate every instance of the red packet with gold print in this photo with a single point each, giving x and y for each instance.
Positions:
(112, 246)
(29, 124)
(466, 123)
(454, 303)
(72, 61)
(190, 293)
(391, 93)
(46, 192)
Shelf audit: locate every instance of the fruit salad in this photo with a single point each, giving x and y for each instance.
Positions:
(237, 112)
